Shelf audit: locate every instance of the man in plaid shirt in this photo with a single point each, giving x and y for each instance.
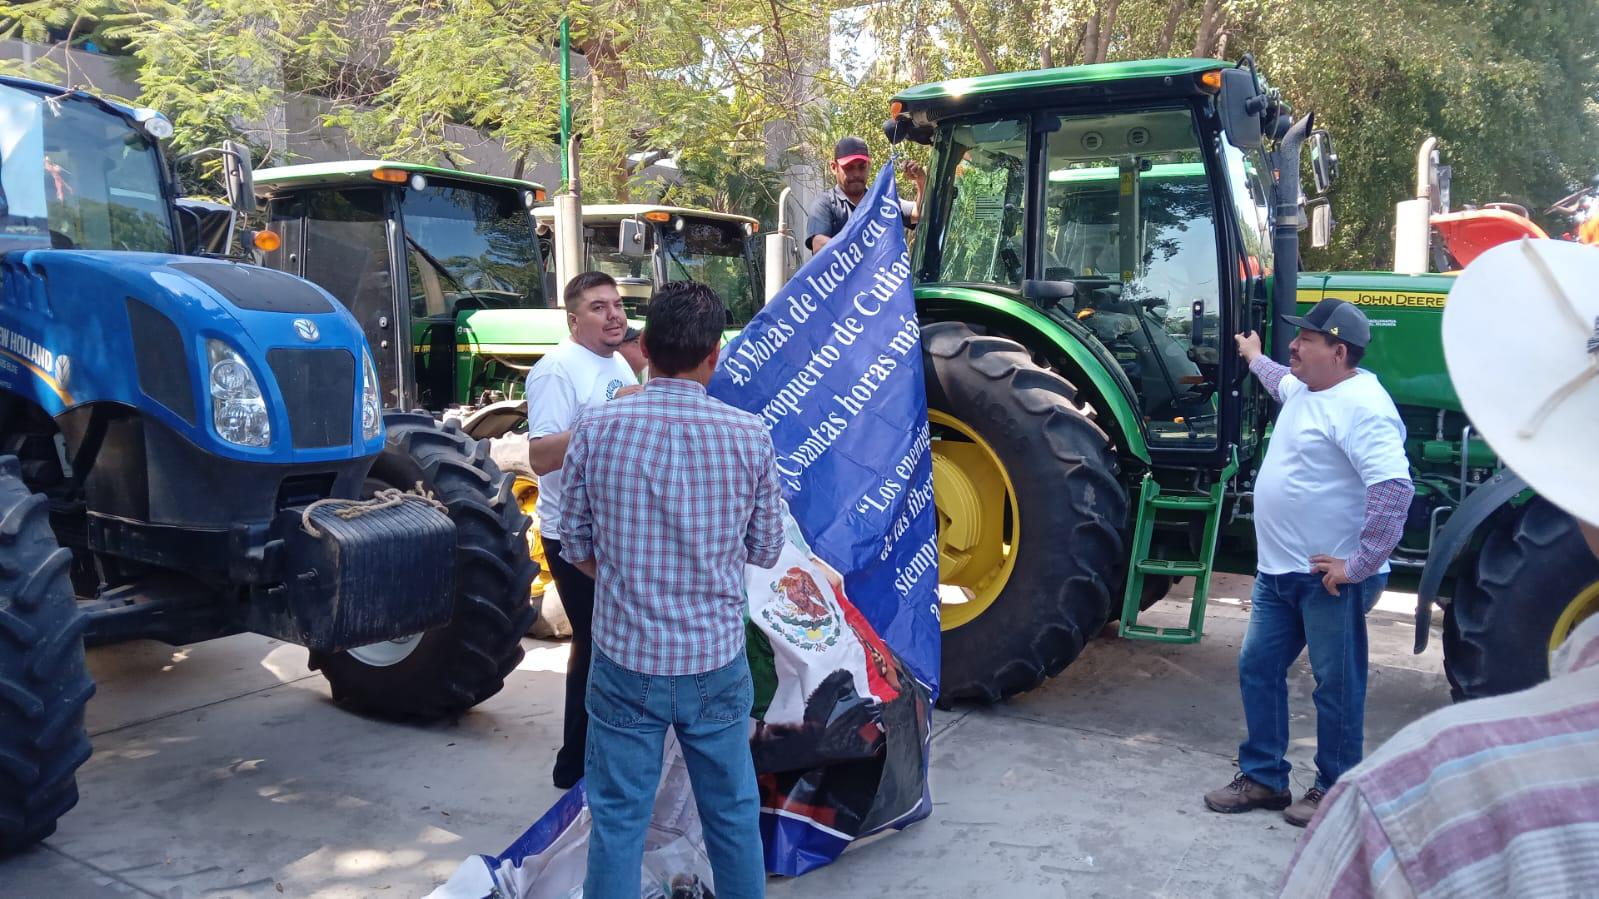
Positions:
(668, 495)
(1330, 506)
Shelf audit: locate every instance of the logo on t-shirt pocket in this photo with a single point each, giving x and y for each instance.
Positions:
(612, 388)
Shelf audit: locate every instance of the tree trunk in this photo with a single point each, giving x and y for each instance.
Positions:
(1174, 15)
(607, 79)
(1091, 40)
(1046, 56)
(1107, 23)
(1205, 40)
(978, 44)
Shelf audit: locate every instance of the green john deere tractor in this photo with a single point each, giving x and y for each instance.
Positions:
(1091, 240)
(444, 272)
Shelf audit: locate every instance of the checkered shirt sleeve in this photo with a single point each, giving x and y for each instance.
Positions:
(1270, 373)
(1387, 507)
(671, 493)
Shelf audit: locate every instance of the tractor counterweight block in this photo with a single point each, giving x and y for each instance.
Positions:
(383, 574)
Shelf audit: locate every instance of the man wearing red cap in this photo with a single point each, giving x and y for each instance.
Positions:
(851, 168)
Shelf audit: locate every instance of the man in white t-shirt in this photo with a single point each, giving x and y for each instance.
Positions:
(1330, 505)
(584, 370)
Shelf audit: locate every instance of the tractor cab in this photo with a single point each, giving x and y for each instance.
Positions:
(643, 245)
(1115, 202)
(441, 267)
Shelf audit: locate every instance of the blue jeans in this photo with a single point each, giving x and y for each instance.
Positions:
(1287, 613)
(629, 713)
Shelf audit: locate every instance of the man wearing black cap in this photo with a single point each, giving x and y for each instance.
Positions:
(851, 167)
(1329, 506)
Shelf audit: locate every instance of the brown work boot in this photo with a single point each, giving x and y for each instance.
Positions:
(1244, 795)
(1300, 813)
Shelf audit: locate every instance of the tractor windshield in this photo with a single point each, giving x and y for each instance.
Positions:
(83, 173)
(470, 246)
(1128, 219)
(713, 252)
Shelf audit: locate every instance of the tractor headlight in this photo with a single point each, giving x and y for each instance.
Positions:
(371, 409)
(237, 410)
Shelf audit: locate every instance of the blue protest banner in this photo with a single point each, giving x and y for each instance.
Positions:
(833, 366)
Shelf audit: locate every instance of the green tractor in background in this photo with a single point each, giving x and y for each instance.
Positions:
(445, 273)
(1092, 238)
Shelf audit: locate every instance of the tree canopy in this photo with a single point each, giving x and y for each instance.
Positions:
(731, 90)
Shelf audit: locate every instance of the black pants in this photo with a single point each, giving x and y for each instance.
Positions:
(577, 597)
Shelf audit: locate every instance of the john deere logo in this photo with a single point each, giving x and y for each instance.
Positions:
(306, 329)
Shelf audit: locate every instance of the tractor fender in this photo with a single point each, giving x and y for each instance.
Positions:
(494, 419)
(1454, 537)
(1042, 334)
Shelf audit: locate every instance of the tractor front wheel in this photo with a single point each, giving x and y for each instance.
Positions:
(44, 682)
(445, 671)
(1030, 514)
(1529, 585)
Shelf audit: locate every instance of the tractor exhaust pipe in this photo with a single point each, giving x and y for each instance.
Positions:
(1413, 217)
(777, 248)
(1285, 236)
(569, 224)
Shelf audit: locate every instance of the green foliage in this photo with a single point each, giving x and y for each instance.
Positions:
(1508, 88)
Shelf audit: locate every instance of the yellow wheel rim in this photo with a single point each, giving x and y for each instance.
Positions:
(978, 520)
(526, 491)
(1577, 611)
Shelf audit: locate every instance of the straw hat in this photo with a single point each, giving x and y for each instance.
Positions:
(1521, 338)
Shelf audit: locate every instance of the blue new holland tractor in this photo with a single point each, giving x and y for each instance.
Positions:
(192, 447)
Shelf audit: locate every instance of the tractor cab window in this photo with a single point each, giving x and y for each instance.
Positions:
(985, 169)
(346, 241)
(1129, 219)
(468, 247)
(634, 272)
(94, 175)
(715, 253)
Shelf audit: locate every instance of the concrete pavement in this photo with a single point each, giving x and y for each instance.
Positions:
(223, 769)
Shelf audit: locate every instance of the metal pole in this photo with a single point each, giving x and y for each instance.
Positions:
(569, 223)
(566, 94)
(777, 249)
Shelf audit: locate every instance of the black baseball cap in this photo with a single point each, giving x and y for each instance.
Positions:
(850, 149)
(630, 335)
(1339, 318)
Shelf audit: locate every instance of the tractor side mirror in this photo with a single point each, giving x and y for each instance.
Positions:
(630, 238)
(1045, 294)
(1240, 106)
(238, 176)
(1321, 222)
(1323, 160)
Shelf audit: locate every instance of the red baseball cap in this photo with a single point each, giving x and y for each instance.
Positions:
(851, 149)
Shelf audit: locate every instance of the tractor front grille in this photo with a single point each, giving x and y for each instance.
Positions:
(318, 387)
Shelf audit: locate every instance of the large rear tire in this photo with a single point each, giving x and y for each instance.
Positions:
(443, 672)
(1041, 565)
(510, 452)
(1532, 567)
(44, 681)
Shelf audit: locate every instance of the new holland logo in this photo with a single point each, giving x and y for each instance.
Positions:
(306, 329)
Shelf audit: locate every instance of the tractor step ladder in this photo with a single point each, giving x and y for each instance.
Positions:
(1155, 506)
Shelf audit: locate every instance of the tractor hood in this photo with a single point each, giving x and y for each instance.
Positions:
(139, 329)
(1406, 314)
(518, 332)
